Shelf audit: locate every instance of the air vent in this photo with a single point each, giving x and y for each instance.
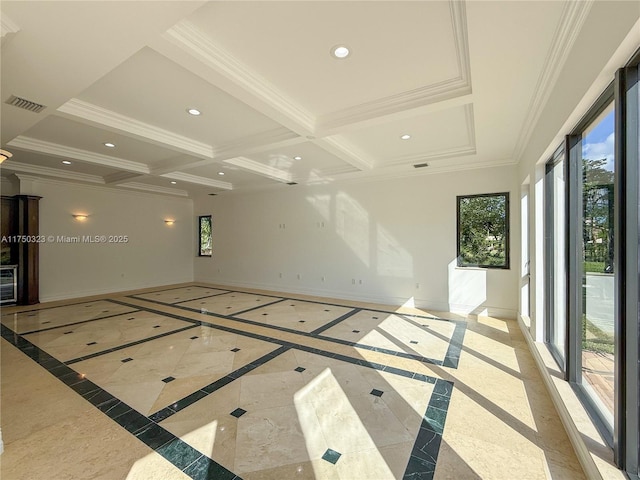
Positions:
(420, 165)
(25, 104)
(291, 183)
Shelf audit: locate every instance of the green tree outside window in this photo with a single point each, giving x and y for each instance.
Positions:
(483, 230)
(206, 248)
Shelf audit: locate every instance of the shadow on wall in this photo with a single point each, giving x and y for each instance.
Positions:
(370, 242)
(384, 256)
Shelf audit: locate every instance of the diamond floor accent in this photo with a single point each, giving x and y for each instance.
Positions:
(331, 456)
(238, 412)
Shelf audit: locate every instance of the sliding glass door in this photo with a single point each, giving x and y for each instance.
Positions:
(592, 262)
(597, 262)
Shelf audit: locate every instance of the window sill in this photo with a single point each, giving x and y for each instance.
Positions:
(595, 457)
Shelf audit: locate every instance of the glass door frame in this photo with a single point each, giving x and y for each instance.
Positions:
(627, 263)
(575, 267)
(550, 242)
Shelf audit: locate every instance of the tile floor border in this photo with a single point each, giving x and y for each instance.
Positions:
(423, 457)
(127, 345)
(182, 455)
(77, 323)
(451, 359)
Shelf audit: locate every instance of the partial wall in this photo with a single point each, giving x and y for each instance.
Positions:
(123, 243)
(391, 241)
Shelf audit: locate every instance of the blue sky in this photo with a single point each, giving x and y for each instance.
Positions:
(599, 143)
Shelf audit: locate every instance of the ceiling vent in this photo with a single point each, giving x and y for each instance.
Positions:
(25, 104)
(420, 165)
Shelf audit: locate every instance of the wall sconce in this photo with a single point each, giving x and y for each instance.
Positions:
(4, 155)
(81, 217)
(168, 221)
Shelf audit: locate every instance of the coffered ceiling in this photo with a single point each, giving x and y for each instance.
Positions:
(465, 80)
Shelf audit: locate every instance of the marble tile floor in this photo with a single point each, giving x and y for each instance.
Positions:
(166, 391)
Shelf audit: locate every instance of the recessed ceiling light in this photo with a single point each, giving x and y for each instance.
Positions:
(173, 182)
(193, 111)
(220, 173)
(406, 136)
(110, 145)
(340, 52)
(66, 162)
(297, 157)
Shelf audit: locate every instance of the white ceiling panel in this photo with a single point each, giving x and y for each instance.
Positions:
(305, 161)
(237, 176)
(66, 132)
(395, 47)
(438, 134)
(155, 90)
(41, 160)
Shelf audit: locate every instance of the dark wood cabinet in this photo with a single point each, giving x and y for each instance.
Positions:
(20, 220)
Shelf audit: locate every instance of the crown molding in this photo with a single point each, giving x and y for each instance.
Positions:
(120, 177)
(571, 21)
(198, 180)
(260, 142)
(200, 46)
(405, 171)
(29, 178)
(16, 166)
(40, 146)
(410, 160)
(154, 189)
(134, 128)
(259, 168)
(458, 151)
(346, 151)
(7, 26)
(67, 180)
(445, 90)
(338, 170)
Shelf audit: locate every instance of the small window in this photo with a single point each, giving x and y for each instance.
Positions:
(205, 248)
(483, 230)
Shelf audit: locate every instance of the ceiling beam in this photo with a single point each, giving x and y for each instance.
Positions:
(264, 170)
(86, 112)
(198, 180)
(194, 50)
(15, 166)
(120, 177)
(63, 151)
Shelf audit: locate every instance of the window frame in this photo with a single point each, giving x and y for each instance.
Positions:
(624, 435)
(200, 217)
(575, 273)
(507, 236)
(627, 257)
(549, 257)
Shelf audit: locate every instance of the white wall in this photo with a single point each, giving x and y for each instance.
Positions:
(9, 186)
(387, 235)
(155, 254)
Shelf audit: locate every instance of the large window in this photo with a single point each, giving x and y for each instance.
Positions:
(483, 230)
(204, 229)
(597, 262)
(592, 262)
(556, 258)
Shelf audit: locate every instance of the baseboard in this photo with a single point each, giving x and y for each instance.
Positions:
(106, 291)
(368, 298)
